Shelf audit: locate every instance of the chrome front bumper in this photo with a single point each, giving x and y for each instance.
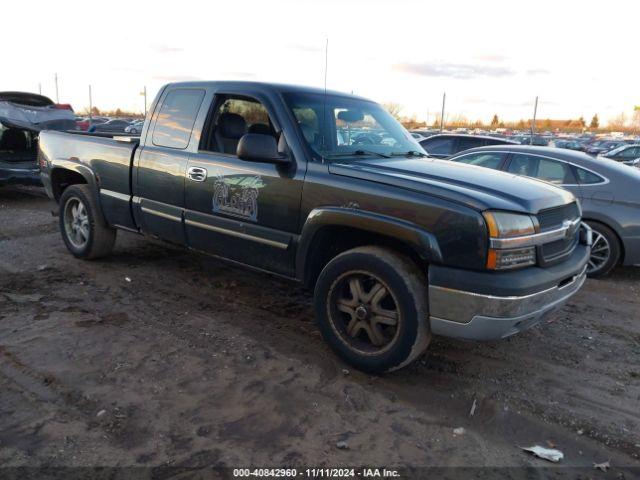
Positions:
(473, 316)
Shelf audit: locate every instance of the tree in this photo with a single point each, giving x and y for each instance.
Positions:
(582, 122)
(619, 122)
(393, 108)
(495, 121)
(595, 122)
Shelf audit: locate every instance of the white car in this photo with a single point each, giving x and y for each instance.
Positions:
(135, 128)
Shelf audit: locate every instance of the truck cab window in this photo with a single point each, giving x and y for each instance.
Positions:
(234, 117)
(176, 118)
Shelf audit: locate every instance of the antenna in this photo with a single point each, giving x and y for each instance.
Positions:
(324, 104)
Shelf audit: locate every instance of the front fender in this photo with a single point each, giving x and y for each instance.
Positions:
(419, 240)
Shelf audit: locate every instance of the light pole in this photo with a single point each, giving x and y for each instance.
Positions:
(90, 107)
(57, 96)
(533, 123)
(444, 98)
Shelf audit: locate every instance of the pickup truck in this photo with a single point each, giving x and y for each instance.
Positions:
(328, 189)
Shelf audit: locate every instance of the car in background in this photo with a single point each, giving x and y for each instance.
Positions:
(607, 191)
(627, 154)
(447, 145)
(577, 145)
(425, 133)
(23, 116)
(135, 128)
(603, 146)
(84, 123)
(115, 125)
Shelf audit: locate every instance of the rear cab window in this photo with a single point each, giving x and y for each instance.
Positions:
(176, 117)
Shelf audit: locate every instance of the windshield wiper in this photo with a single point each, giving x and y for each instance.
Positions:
(358, 153)
(410, 153)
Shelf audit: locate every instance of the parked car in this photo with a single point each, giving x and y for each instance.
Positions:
(112, 126)
(85, 122)
(627, 154)
(135, 127)
(396, 247)
(608, 193)
(603, 146)
(22, 116)
(577, 145)
(446, 145)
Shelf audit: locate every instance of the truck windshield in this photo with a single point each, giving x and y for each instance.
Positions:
(351, 128)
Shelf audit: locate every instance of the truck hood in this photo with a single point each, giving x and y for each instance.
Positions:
(477, 187)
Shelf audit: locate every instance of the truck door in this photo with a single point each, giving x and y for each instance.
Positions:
(161, 163)
(245, 211)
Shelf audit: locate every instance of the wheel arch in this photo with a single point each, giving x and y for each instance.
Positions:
(68, 173)
(610, 225)
(330, 231)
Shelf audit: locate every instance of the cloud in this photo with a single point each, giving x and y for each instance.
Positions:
(538, 71)
(453, 70)
(177, 78)
(306, 48)
(239, 74)
(491, 58)
(164, 48)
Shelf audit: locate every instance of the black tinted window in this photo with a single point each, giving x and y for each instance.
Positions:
(438, 146)
(465, 143)
(176, 118)
(586, 177)
(482, 159)
(552, 171)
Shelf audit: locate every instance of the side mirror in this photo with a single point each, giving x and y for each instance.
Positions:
(257, 147)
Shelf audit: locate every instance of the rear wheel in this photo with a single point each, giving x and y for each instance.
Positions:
(371, 308)
(605, 251)
(84, 231)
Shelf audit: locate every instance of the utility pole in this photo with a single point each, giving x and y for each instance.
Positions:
(39, 88)
(57, 96)
(145, 100)
(533, 123)
(90, 107)
(444, 97)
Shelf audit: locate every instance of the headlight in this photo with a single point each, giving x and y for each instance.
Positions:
(509, 225)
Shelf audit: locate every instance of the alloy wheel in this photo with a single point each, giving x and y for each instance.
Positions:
(364, 312)
(600, 252)
(76, 223)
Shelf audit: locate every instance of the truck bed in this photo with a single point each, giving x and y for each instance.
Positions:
(105, 161)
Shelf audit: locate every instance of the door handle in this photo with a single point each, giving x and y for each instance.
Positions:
(197, 174)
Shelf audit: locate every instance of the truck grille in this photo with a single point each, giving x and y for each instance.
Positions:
(554, 218)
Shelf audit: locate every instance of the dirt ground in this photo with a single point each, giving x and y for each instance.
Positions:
(159, 356)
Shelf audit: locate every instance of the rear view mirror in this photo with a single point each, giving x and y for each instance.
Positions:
(350, 116)
(257, 147)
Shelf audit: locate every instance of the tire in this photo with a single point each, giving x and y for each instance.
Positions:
(86, 235)
(605, 251)
(356, 297)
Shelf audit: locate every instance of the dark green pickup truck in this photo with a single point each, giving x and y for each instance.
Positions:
(328, 189)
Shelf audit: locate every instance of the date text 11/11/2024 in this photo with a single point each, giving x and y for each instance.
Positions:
(316, 473)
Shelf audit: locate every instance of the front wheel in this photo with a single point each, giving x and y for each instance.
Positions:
(84, 231)
(605, 251)
(371, 308)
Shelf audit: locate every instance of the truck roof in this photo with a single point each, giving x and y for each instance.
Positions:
(266, 86)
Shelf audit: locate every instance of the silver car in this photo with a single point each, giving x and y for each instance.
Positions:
(608, 193)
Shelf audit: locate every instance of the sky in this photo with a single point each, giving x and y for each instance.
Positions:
(490, 57)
